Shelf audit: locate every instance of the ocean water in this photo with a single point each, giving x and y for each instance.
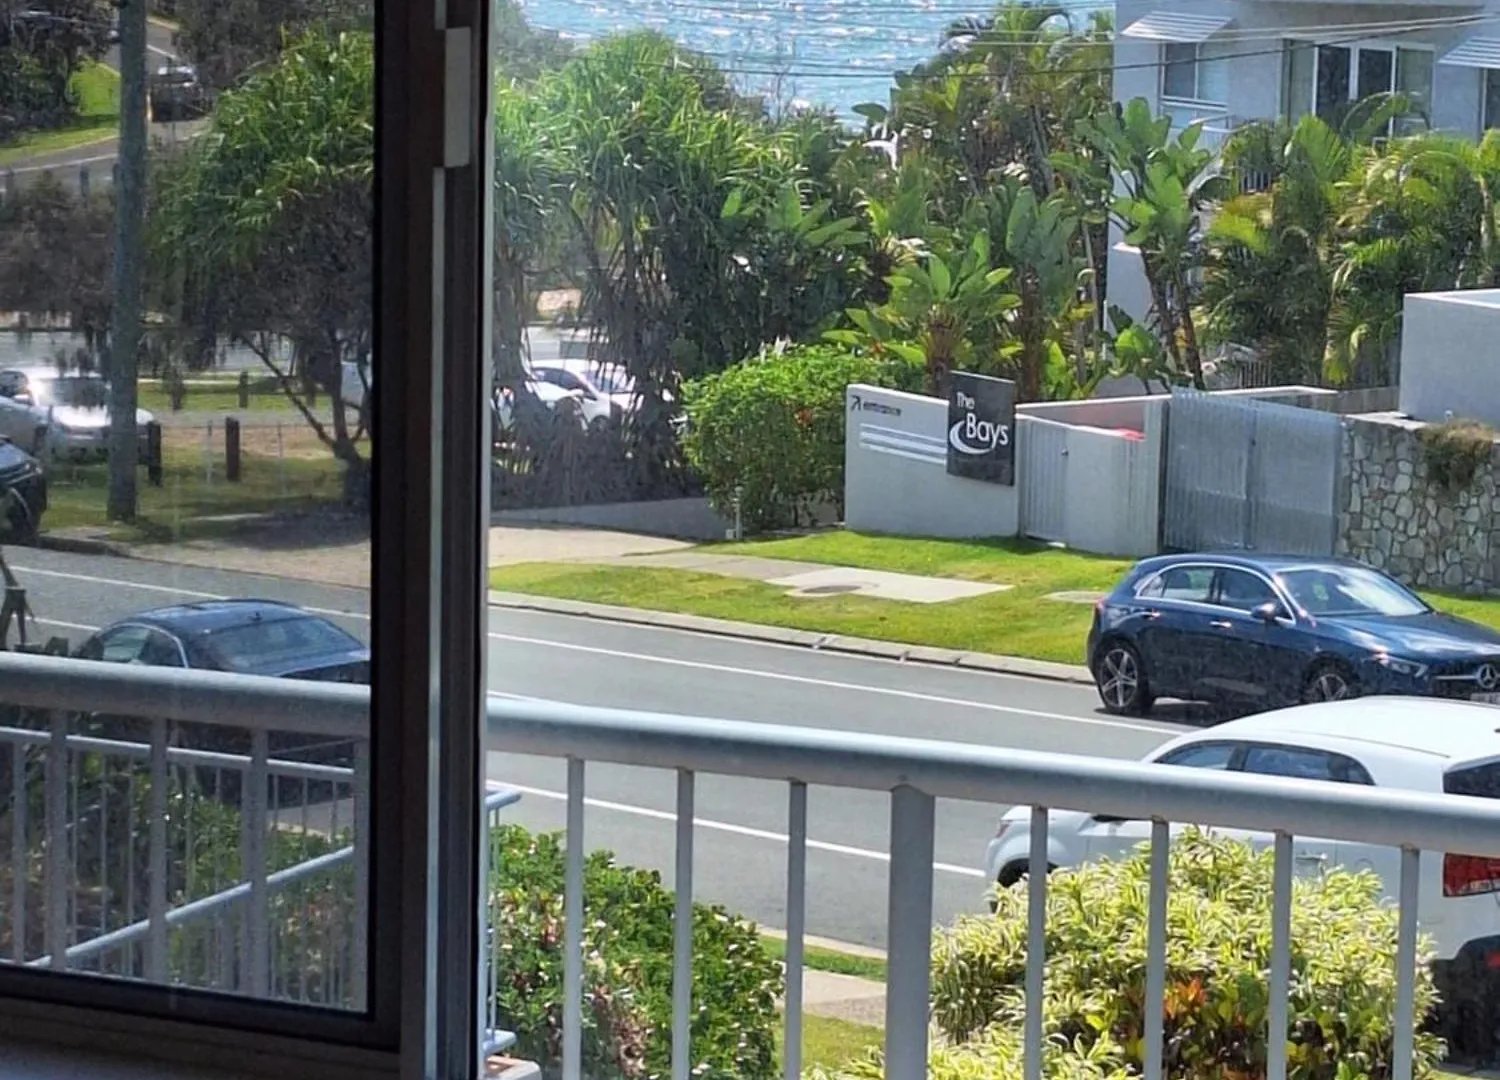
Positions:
(832, 53)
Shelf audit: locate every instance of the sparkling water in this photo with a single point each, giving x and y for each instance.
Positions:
(831, 53)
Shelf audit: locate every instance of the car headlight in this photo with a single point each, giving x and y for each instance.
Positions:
(1409, 668)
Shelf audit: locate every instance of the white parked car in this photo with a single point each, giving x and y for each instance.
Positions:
(59, 416)
(1418, 744)
(603, 392)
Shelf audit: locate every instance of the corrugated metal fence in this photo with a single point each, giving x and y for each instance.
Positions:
(1251, 475)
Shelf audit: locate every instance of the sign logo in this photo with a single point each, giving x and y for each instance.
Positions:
(981, 428)
(1488, 676)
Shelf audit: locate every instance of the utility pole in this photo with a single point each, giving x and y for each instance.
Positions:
(130, 212)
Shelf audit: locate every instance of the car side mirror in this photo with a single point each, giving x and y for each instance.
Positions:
(1269, 612)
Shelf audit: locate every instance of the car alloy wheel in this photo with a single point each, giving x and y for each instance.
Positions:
(1120, 679)
(1328, 684)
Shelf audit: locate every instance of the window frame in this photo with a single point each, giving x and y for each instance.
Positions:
(433, 159)
(1355, 48)
(1197, 69)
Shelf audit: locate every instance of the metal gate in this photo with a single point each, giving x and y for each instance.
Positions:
(1043, 458)
(1250, 475)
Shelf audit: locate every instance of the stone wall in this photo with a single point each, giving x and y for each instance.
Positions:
(1394, 516)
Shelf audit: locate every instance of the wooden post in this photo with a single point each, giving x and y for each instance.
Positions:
(153, 453)
(244, 390)
(232, 448)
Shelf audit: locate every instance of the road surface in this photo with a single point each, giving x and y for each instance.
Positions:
(740, 842)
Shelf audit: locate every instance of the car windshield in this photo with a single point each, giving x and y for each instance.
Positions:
(276, 643)
(77, 391)
(1348, 590)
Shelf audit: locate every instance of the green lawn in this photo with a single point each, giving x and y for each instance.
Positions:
(1020, 621)
(225, 399)
(840, 963)
(98, 90)
(177, 509)
(829, 1043)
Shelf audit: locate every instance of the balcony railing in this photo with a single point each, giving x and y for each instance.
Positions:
(287, 920)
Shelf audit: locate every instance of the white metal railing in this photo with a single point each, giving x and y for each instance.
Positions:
(916, 772)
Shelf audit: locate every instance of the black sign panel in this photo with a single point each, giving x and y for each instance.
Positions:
(982, 428)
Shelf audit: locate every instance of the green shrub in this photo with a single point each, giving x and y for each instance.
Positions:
(628, 968)
(773, 428)
(1343, 991)
(1455, 450)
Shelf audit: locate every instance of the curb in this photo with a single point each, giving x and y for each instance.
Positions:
(835, 643)
(823, 944)
(79, 545)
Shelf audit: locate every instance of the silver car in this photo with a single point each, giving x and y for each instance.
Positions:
(59, 417)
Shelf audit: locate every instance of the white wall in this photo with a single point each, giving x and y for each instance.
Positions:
(1450, 356)
(896, 472)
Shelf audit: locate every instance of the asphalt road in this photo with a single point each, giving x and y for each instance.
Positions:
(740, 842)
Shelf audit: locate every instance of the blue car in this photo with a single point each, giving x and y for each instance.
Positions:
(252, 637)
(1268, 631)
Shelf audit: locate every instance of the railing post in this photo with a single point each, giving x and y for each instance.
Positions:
(1279, 988)
(19, 853)
(1036, 941)
(56, 901)
(572, 1048)
(359, 962)
(257, 916)
(909, 975)
(1156, 949)
(682, 937)
(796, 925)
(1406, 964)
(156, 887)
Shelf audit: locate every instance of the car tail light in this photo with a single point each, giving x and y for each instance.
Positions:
(1470, 875)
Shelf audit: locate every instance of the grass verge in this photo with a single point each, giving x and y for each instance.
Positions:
(187, 505)
(98, 91)
(213, 399)
(839, 963)
(1020, 621)
(831, 1044)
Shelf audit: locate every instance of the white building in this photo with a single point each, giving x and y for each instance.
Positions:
(1227, 62)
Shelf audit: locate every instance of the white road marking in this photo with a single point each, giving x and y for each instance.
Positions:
(737, 830)
(648, 658)
(834, 684)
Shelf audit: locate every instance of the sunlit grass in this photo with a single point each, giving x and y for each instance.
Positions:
(1020, 621)
(98, 90)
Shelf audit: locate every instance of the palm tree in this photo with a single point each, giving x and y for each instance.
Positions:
(1268, 275)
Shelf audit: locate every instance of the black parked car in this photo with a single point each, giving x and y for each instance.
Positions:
(1266, 631)
(23, 487)
(251, 637)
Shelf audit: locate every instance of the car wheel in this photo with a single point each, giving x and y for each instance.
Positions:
(1121, 679)
(1329, 681)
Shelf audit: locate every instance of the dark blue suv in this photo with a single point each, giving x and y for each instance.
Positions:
(1266, 631)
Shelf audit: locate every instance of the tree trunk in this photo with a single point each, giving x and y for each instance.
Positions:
(1190, 337)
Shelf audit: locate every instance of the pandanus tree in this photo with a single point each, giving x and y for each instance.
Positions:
(271, 211)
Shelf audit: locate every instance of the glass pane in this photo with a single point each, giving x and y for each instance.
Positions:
(1491, 99)
(1333, 80)
(1179, 73)
(1213, 73)
(1415, 80)
(1377, 69)
(185, 332)
(1300, 60)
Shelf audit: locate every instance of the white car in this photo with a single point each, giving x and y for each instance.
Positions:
(603, 392)
(59, 416)
(1418, 744)
(547, 393)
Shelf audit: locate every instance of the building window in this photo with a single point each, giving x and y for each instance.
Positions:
(1194, 72)
(1329, 79)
